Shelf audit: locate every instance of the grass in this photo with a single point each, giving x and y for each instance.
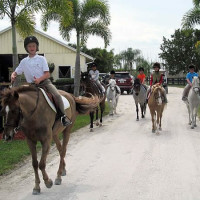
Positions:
(12, 153)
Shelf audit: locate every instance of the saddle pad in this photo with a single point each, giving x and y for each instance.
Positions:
(65, 101)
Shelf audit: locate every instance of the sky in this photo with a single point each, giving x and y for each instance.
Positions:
(134, 24)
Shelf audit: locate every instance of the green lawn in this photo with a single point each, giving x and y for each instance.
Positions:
(11, 153)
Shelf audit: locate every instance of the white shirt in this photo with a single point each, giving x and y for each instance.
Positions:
(94, 74)
(32, 67)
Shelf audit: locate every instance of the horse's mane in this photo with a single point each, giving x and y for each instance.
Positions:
(137, 81)
(7, 93)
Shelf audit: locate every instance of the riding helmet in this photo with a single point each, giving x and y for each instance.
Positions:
(112, 72)
(31, 39)
(94, 65)
(191, 66)
(141, 69)
(156, 65)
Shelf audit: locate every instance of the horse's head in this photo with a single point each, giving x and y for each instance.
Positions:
(136, 86)
(11, 110)
(112, 84)
(157, 93)
(195, 84)
(85, 76)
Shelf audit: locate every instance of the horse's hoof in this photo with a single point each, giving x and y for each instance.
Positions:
(153, 131)
(160, 129)
(195, 125)
(100, 124)
(58, 181)
(137, 119)
(64, 172)
(49, 183)
(97, 124)
(91, 130)
(192, 127)
(36, 191)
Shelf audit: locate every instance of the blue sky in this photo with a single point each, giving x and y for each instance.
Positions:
(136, 24)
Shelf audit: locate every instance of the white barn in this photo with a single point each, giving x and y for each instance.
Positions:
(55, 51)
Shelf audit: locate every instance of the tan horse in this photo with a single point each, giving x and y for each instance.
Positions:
(156, 107)
(27, 109)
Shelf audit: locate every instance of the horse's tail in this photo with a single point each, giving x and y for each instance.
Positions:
(84, 104)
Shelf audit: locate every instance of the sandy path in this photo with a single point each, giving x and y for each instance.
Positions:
(123, 160)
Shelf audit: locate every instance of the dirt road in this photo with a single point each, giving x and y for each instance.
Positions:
(123, 160)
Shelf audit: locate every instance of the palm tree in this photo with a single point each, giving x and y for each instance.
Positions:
(21, 15)
(90, 17)
(192, 17)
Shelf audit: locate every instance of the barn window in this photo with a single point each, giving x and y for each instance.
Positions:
(64, 72)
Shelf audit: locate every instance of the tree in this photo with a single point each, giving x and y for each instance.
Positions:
(90, 17)
(192, 17)
(180, 51)
(103, 58)
(21, 15)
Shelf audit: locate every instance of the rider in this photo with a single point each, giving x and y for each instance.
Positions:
(189, 77)
(156, 77)
(142, 77)
(95, 76)
(112, 76)
(36, 71)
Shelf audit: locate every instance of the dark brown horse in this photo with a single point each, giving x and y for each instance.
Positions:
(90, 87)
(156, 106)
(27, 109)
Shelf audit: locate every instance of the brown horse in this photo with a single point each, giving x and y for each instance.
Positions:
(156, 107)
(27, 109)
(90, 87)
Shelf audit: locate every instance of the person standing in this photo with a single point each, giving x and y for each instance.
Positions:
(189, 78)
(36, 71)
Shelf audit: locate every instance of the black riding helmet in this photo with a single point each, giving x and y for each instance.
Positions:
(141, 69)
(31, 39)
(156, 65)
(112, 72)
(191, 66)
(94, 65)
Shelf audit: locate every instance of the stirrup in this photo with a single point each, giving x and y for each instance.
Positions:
(65, 121)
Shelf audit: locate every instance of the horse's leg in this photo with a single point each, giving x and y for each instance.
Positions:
(153, 120)
(97, 116)
(160, 121)
(62, 150)
(102, 107)
(91, 121)
(189, 113)
(142, 110)
(137, 110)
(32, 147)
(192, 117)
(110, 107)
(42, 165)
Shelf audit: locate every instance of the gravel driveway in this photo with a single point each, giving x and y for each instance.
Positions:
(122, 160)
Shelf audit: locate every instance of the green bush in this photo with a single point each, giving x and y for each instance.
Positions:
(64, 81)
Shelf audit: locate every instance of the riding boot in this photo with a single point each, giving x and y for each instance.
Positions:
(65, 120)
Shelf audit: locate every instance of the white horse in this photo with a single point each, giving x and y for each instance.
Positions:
(193, 101)
(112, 96)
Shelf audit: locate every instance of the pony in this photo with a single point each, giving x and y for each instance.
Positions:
(139, 95)
(26, 108)
(91, 88)
(193, 102)
(156, 106)
(112, 96)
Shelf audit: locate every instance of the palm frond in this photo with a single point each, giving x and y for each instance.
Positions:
(65, 31)
(92, 9)
(25, 24)
(98, 29)
(196, 3)
(191, 18)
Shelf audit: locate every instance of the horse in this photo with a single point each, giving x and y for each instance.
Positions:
(90, 87)
(112, 96)
(139, 95)
(193, 102)
(156, 106)
(26, 108)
